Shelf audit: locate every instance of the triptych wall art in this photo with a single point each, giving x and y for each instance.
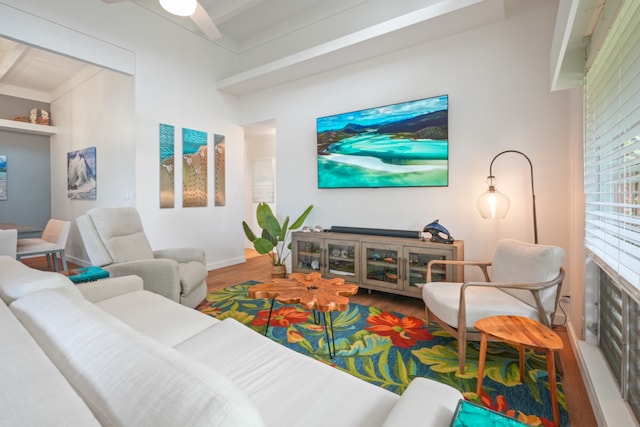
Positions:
(195, 167)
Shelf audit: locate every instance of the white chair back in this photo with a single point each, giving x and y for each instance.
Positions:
(521, 262)
(57, 232)
(8, 242)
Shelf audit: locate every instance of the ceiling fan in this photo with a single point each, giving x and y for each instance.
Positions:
(191, 9)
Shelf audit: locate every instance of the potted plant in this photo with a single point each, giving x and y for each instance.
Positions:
(274, 236)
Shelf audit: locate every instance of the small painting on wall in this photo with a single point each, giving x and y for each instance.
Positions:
(167, 166)
(81, 173)
(194, 168)
(219, 184)
(3, 177)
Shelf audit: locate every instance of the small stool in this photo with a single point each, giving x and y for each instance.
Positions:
(521, 332)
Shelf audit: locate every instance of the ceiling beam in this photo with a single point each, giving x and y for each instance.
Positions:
(13, 55)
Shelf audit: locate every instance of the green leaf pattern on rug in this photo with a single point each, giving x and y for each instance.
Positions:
(403, 349)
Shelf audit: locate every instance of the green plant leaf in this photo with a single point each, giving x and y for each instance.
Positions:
(248, 232)
(298, 222)
(263, 246)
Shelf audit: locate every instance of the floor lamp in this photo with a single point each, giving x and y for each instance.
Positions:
(494, 204)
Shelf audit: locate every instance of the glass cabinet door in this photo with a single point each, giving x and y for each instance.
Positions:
(341, 261)
(307, 255)
(417, 261)
(381, 265)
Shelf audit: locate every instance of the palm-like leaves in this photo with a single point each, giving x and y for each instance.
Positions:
(273, 235)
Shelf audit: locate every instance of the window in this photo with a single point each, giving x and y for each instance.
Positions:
(612, 185)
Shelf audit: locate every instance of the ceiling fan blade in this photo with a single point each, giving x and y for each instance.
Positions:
(205, 24)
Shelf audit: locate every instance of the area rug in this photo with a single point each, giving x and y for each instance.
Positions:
(389, 349)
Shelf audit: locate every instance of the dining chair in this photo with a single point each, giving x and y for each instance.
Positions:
(51, 244)
(8, 242)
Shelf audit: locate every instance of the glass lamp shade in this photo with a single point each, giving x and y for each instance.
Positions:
(493, 204)
(179, 7)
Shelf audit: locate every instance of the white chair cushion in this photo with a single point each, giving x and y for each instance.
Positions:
(521, 262)
(121, 231)
(443, 298)
(126, 378)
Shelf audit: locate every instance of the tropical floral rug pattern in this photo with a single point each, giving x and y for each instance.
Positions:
(390, 349)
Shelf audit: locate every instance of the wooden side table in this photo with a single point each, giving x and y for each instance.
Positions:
(521, 332)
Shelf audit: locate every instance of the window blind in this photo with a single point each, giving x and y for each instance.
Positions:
(612, 148)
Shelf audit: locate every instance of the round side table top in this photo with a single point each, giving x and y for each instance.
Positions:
(519, 330)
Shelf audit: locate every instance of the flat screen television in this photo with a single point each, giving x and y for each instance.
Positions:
(397, 145)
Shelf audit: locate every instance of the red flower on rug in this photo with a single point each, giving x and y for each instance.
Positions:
(403, 331)
(282, 317)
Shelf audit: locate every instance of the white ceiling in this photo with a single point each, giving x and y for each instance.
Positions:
(292, 38)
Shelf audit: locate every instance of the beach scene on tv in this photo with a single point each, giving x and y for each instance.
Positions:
(398, 145)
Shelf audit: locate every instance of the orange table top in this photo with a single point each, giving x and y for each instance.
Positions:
(310, 290)
(519, 330)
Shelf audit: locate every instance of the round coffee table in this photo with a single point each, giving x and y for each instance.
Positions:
(521, 332)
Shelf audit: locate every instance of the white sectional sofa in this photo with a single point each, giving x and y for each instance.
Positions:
(110, 353)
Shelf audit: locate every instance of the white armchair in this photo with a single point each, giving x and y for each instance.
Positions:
(525, 281)
(114, 239)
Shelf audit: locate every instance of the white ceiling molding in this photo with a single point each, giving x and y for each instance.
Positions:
(423, 25)
(581, 27)
(16, 25)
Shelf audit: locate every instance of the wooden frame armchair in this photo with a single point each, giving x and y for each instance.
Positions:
(525, 280)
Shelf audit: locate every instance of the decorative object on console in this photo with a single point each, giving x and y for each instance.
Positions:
(494, 204)
(398, 145)
(436, 230)
(274, 236)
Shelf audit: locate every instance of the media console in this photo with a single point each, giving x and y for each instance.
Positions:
(380, 262)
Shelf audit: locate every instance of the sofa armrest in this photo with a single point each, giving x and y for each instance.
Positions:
(160, 276)
(424, 403)
(182, 255)
(109, 288)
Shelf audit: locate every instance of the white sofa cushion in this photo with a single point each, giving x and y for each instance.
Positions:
(18, 280)
(33, 391)
(289, 389)
(157, 317)
(410, 410)
(126, 378)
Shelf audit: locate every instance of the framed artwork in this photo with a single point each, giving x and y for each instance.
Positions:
(167, 166)
(219, 183)
(3, 177)
(194, 168)
(81, 173)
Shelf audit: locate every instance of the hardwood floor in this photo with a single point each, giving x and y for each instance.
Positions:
(258, 268)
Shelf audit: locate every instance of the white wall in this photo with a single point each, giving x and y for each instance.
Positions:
(174, 83)
(497, 78)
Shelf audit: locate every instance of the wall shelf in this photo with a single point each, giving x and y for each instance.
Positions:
(24, 127)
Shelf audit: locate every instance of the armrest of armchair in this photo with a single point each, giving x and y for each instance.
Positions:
(160, 276)
(182, 255)
(109, 288)
(410, 409)
(533, 288)
(480, 264)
